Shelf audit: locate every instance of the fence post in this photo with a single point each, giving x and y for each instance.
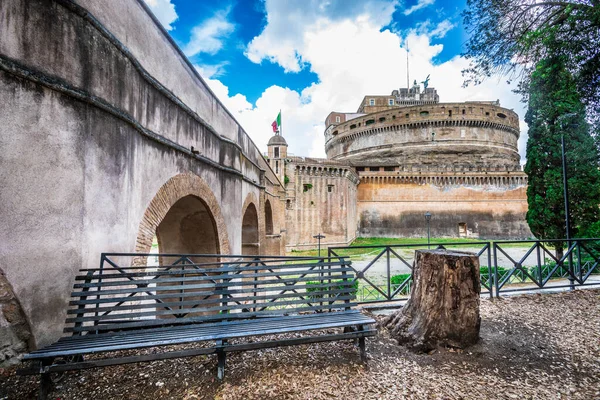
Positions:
(496, 271)
(489, 263)
(389, 276)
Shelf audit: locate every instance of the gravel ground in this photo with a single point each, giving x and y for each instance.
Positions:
(532, 347)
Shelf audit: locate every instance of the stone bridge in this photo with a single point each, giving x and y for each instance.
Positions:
(109, 138)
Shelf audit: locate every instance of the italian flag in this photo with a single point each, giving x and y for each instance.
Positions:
(277, 123)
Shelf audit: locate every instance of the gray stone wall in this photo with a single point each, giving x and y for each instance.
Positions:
(14, 328)
(99, 111)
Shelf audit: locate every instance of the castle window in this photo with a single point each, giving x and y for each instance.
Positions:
(462, 229)
(337, 119)
(276, 152)
(381, 119)
(277, 166)
(288, 204)
(393, 117)
(391, 102)
(464, 111)
(335, 133)
(407, 115)
(369, 122)
(372, 102)
(500, 115)
(329, 188)
(360, 169)
(487, 113)
(352, 126)
(449, 113)
(424, 113)
(306, 187)
(389, 169)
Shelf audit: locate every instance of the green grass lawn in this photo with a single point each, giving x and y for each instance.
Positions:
(383, 241)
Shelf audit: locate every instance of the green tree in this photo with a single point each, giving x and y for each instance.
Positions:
(555, 109)
(509, 37)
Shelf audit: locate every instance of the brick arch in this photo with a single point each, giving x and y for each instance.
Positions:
(174, 189)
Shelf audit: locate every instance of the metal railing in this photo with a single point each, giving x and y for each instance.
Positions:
(384, 272)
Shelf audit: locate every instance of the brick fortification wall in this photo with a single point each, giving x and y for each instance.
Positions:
(321, 198)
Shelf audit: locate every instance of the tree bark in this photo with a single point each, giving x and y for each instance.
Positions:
(443, 309)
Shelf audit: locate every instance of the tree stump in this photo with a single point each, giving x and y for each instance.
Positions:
(443, 309)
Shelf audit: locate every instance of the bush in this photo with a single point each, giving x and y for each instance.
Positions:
(399, 279)
(286, 179)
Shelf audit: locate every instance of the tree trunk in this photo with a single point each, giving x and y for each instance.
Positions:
(443, 309)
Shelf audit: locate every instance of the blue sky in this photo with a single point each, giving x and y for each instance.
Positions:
(311, 57)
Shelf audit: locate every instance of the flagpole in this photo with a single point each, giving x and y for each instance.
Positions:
(280, 127)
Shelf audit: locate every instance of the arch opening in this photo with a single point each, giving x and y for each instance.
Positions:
(250, 241)
(188, 228)
(268, 218)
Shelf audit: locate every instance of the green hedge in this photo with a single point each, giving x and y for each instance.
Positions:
(335, 285)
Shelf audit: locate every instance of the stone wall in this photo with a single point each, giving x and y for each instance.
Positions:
(321, 198)
(486, 206)
(102, 116)
(14, 328)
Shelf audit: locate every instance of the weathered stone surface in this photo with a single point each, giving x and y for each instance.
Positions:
(14, 328)
(443, 309)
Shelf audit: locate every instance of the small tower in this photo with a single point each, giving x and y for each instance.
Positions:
(277, 151)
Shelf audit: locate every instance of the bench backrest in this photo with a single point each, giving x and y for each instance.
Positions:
(188, 289)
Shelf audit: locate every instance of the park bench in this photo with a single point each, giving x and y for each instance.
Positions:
(212, 302)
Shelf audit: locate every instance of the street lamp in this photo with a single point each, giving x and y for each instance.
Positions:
(566, 190)
(319, 237)
(428, 219)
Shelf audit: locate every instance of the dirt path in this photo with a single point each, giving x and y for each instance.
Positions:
(532, 347)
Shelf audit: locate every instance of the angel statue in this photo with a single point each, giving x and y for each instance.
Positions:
(426, 82)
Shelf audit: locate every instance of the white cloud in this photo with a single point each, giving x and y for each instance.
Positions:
(209, 71)
(442, 29)
(164, 11)
(420, 4)
(352, 57)
(208, 37)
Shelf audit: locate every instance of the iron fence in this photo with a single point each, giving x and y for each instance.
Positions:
(384, 272)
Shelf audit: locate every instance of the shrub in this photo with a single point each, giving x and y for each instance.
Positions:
(399, 279)
(286, 179)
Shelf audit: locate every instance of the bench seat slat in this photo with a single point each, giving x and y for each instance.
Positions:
(127, 324)
(288, 282)
(212, 328)
(315, 297)
(227, 266)
(200, 293)
(228, 307)
(201, 333)
(105, 282)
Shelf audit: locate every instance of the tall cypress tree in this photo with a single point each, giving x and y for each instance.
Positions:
(555, 109)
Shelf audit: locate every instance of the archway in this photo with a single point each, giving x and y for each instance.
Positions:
(188, 228)
(175, 189)
(268, 218)
(250, 237)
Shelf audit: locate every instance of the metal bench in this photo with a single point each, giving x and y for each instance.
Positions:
(214, 301)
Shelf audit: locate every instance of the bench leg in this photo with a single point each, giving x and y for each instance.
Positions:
(221, 360)
(362, 346)
(45, 381)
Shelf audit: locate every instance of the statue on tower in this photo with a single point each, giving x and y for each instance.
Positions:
(426, 82)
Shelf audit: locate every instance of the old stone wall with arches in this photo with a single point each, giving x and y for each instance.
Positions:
(123, 143)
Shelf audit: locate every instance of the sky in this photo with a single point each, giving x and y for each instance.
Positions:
(310, 57)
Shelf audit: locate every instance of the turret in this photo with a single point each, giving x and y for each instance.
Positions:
(277, 152)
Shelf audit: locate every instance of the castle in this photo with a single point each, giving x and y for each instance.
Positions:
(398, 157)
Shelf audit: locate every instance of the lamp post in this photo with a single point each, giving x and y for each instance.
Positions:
(566, 191)
(428, 219)
(319, 237)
